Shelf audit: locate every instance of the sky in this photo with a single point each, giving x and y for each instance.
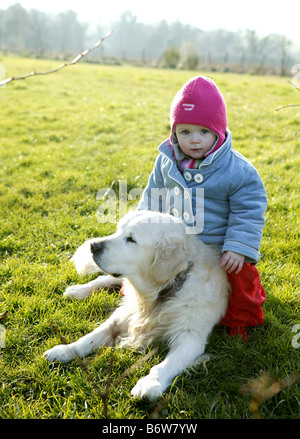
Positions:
(264, 16)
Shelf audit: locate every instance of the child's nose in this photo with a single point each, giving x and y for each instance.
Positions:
(195, 138)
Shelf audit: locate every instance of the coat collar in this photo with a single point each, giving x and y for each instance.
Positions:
(167, 149)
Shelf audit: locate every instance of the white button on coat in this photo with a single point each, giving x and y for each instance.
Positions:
(198, 178)
(186, 216)
(187, 176)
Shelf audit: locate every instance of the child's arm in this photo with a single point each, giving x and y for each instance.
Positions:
(248, 202)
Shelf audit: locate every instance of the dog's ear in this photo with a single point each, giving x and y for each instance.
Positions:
(170, 258)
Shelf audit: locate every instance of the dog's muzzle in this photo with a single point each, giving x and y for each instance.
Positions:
(97, 247)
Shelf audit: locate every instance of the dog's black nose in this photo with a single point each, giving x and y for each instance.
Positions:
(97, 247)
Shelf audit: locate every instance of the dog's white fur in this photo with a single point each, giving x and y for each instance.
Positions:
(147, 252)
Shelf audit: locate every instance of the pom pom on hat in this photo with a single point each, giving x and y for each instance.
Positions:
(199, 102)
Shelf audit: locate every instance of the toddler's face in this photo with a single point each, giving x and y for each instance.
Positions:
(195, 140)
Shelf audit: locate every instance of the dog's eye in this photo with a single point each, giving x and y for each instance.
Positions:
(130, 239)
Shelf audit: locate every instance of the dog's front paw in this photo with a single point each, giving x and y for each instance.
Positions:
(78, 292)
(147, 387)
(60, 353)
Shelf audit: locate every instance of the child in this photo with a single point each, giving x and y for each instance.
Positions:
(197, 164)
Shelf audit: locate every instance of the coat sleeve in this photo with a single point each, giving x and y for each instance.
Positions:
(154, 195)
(248, 203)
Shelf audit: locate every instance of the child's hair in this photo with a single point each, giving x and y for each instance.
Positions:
(200, 102)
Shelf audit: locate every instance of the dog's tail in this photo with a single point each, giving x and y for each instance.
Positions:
(83, 259)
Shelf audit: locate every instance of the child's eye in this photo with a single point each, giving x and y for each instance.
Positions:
(185, 132)
(203, 131)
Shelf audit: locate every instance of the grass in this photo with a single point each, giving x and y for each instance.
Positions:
(64, 137)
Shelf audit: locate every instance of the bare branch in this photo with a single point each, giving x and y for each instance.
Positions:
(294, 85)
(296, 133)
(291, 105)
(286, 106)
(48, 72)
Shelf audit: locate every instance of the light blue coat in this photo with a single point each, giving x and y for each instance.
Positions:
(223, 201)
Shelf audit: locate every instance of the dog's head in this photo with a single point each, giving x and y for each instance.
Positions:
(147, 247)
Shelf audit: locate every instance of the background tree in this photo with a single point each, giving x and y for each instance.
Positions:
(43, 34)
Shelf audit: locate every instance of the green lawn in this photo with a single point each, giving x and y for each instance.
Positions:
(64, 137)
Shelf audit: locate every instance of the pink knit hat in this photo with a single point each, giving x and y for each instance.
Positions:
(199, 102)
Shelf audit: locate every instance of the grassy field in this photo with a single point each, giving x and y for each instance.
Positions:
(64, 137)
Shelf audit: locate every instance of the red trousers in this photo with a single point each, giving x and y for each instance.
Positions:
(247, 296)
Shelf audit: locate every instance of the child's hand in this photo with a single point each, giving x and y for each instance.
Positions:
(231, 261)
